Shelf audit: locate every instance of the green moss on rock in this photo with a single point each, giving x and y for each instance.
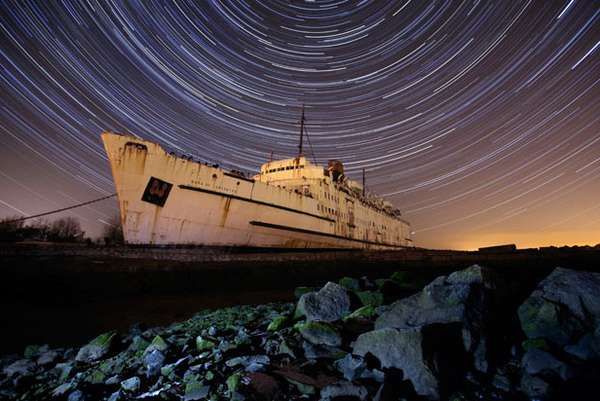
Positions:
(349, 283)
(202, 344)
(365, 312)
(277, 323)
(370, 298)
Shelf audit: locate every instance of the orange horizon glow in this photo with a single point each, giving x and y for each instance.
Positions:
(524, 239)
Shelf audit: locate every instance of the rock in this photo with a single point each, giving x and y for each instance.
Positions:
(501, 382)
(399, 277)
(195, 391)
(401, 349)
(138, 344)
(320, 333)
(535, 388)
(536, 362)
(277, 323)
(76, 395)
(95, 376)
(474, 274)
(47, 358)
(299, 291)
(116, 396)
(351, 366)
(157, 344)
(563, 307)
(437, 303)
(462, 298)
(329, 304)
(373, 374)
(264, 385)
(251, 363)
(31, 351)
(349, 283)
(63, 371)
(233, 382)
(153, 362)
(370, 298)
(96, 349)
(131, 385)
(168, 369)
(343, 389)
(584, 349)
(203, 344)
(535, 343)
(312, 351)
(61, 390)
(21, 367)
(284, 348)
(363, 313)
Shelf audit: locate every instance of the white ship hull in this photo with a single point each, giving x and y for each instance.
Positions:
(168, 200)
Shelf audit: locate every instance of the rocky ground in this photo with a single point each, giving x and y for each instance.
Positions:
(460, 338)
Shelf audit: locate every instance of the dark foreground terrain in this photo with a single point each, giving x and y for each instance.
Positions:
(479, 333)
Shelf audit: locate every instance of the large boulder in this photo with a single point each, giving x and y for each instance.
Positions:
(96, 349)
(320, 333)
(464, 297)
(418, 351)
(329, 304)
(563, 307)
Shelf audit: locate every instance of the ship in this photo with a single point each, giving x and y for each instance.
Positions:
(170, 200)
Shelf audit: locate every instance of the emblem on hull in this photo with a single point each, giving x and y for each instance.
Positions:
(157, 191)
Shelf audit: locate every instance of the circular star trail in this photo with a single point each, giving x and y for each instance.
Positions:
(479, 120)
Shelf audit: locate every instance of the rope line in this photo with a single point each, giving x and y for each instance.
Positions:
(310, 144)
(61, 210)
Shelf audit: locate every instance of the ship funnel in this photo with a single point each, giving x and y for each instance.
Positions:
(336, 168)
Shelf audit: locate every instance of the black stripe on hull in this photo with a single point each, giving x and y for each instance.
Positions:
(289, 209)
(305, 231)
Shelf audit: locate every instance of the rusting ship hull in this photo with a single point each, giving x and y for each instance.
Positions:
(169, 200)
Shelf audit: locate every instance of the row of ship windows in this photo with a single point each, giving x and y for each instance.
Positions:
(274, 170)
(344, 215)
(331, 197)
(330, 210)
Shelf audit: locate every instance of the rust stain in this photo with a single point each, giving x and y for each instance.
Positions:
(135, 158)
(181, 228)
(155, 222)
(225, 212)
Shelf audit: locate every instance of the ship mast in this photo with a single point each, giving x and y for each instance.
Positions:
(364, 182)
(301, 133)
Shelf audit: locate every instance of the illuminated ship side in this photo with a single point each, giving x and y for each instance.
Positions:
(291, 203)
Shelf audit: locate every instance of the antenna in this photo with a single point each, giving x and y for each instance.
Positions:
(364, 182)
(301, 132)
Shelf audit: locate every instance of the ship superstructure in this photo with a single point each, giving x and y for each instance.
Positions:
(292, 203)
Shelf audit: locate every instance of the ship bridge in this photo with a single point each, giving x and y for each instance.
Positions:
(296, 169)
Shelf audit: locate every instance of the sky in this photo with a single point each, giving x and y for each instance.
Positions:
(479, 120)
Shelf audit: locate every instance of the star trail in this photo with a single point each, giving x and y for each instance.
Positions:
(479, 120)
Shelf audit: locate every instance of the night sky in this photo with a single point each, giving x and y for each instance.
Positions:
(480, 120)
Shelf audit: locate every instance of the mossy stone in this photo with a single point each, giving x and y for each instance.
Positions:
(370, 298)
(399, 277)
(320, 333)
(233, 382)
(277, 323)
(203, 344)
(349, 283)
(538, 343)
(31, 351)
(365, 312)
(299, 291)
